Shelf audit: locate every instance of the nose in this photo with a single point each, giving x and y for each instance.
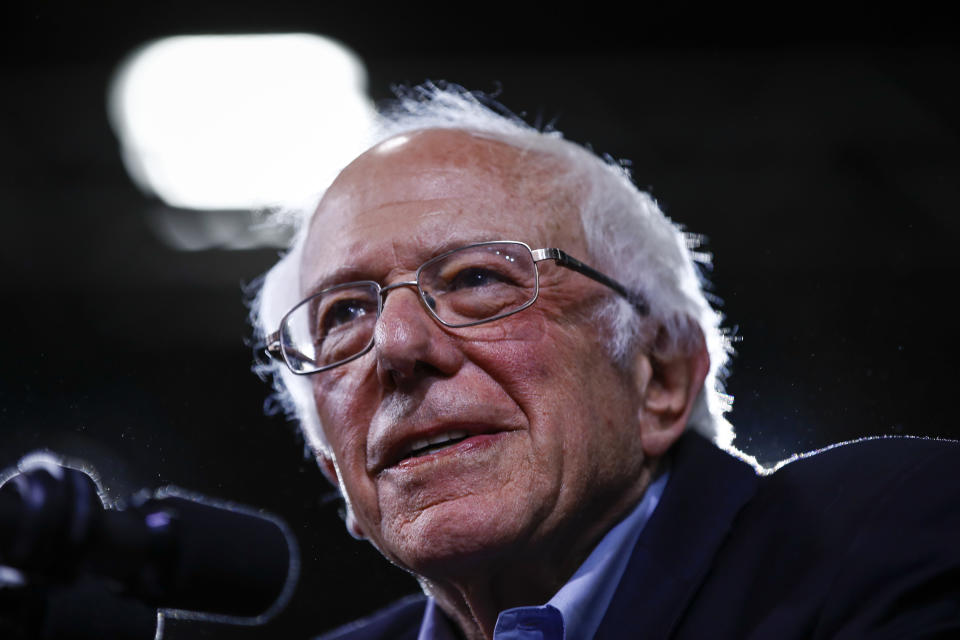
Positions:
(408, 343)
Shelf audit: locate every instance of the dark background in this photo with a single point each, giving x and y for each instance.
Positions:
(816, 150)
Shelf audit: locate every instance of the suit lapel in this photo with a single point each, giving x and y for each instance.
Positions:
(706, 490)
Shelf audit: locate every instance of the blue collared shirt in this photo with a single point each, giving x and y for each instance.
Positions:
(576, 610)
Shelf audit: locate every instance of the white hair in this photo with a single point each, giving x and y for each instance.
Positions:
(627, 237)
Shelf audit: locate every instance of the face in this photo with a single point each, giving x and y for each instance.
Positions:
(536, 431)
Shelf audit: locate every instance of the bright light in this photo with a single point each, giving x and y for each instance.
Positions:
(239, 121)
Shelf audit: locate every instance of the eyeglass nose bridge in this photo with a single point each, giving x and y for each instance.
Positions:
(425, 297)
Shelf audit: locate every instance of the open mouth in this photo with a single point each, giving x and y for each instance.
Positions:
(429, 445)
(426, 446)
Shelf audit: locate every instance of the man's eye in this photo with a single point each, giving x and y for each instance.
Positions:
(476, 277)
(344, 312)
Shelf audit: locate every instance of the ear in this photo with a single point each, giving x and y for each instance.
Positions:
(329, 468)
(670, 381)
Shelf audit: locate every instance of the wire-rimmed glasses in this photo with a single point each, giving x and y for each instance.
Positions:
(471, 285)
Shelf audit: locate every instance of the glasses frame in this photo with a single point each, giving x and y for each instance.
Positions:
(275, 350)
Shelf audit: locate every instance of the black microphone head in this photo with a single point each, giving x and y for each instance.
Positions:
(191, 556)
(231, 563)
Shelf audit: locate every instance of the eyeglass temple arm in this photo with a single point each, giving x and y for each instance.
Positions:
(565, 260)
(275, 351)
(273, 348)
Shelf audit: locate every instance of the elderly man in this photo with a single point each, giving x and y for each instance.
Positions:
(500, 351)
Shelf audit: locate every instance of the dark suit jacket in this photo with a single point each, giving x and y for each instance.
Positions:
(857, 541)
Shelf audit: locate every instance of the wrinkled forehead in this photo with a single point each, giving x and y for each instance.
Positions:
(423, 191)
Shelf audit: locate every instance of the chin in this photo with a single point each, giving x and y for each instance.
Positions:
(454, 539)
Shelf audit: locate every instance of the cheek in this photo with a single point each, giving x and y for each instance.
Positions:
(565, 383)
(345, 409)
(537, 361)
(514, 345)
(345, 415)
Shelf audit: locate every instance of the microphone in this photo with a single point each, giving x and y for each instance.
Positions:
(193, 557)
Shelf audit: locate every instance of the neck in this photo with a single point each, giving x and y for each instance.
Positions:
(529, 575)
